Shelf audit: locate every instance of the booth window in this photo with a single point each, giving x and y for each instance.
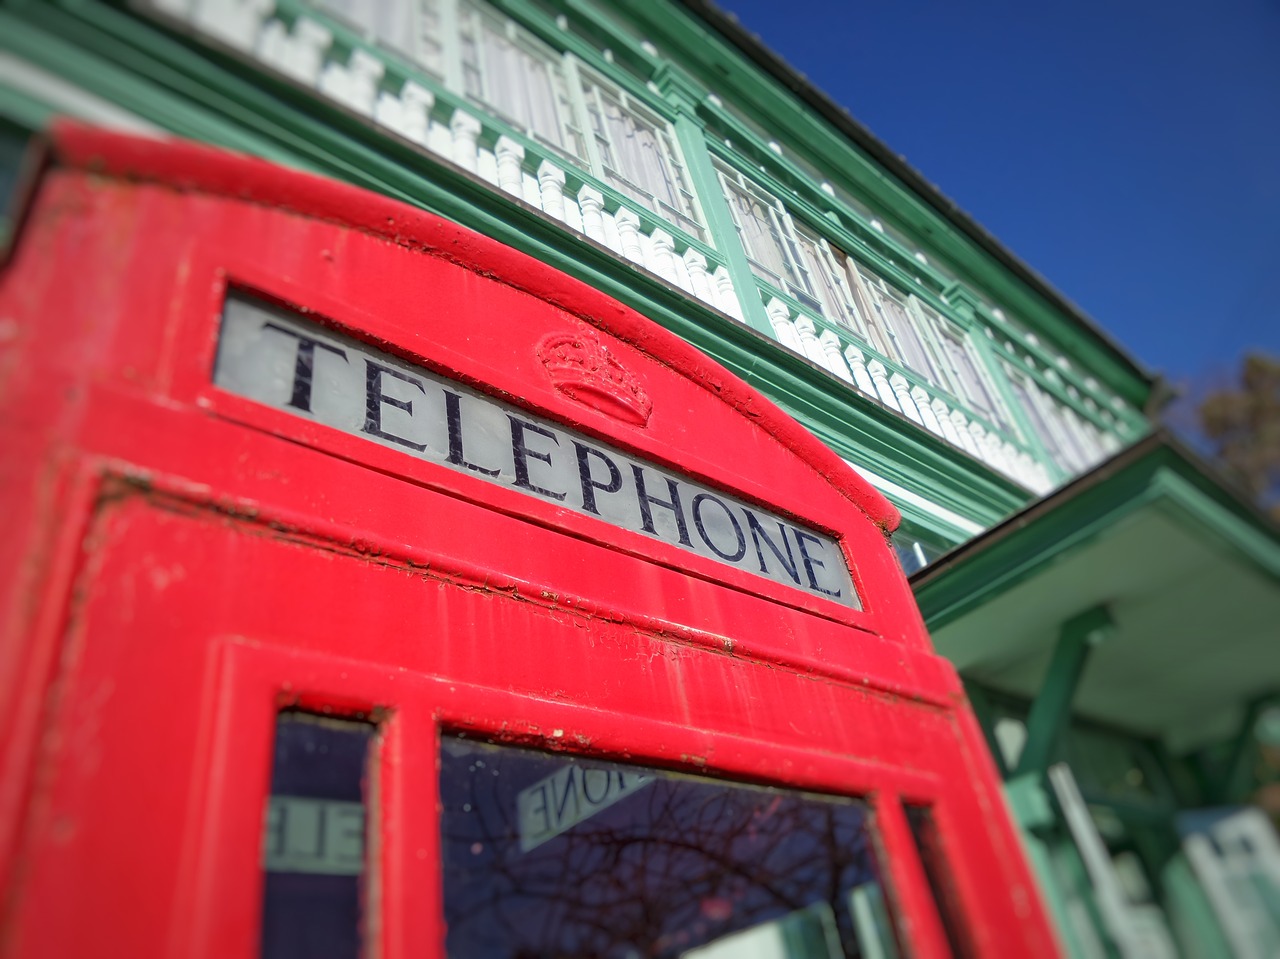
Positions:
(314, 838)
(928, 841)
(553, 855)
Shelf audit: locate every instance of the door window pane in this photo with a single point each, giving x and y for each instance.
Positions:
(552, 855)
(924, 830)
(314, 839)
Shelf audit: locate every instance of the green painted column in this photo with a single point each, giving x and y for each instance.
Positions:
(684, 95)
(1051, 711)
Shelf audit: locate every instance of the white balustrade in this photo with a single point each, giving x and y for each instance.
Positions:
(465, 130)
(726, 295)
(591, 202)
(237, 23)
(809, 344)
(961, 423)
(700, 282)
(408, 114)
(943, 414)
(551, 186)
(830, 343)
(902, 391)
(927, 416)
(510, 159)
(354, 85)
(664, 253)
(858, 367)
(628, 224)
(783, 329)
(880, 378)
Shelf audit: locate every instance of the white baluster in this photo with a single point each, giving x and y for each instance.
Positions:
(510, 165)
(1019, 468)
(305, 49)
(830, 344)
(902, 390)
(551, 186)
(592, 202)
(943, 414)
(409, 114)
(880, 377)
(809, 340)
(664, 254)
(465, 130)
(696, 264)
(858, 366)
(979, 434)
(629, 234)
(783, 328)
(237, 23)
(925, 406)
(961, 423)
(356, 84)
(726, 295)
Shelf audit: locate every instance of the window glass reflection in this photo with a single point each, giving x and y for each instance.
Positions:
(551, 856)
(314, 839)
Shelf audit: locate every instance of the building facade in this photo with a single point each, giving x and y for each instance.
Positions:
(661, 155)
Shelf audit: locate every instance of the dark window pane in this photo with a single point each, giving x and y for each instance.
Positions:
(924, 830)
(553, 856)
(314, 841)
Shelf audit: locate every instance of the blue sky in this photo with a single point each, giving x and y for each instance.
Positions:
(1129, 151)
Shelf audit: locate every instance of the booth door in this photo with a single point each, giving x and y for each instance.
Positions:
(244, 753)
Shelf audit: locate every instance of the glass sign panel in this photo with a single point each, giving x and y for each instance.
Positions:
(291, 363)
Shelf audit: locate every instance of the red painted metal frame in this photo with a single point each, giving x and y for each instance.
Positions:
(179, 563)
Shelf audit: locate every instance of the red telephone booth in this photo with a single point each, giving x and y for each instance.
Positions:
(369, 588)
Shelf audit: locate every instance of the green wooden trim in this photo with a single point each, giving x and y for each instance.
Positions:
(683, 97)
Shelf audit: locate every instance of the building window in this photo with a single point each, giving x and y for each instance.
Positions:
(769, 237)
(548, 96)
(968, 377)
(899, 327)
(509, 71)
(1074, 445)
(638, 155)
(411, 28)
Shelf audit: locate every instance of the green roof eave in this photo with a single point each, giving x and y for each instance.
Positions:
(1188, 571)
(1158, 466)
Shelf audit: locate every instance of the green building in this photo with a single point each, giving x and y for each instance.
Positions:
(1111, 604)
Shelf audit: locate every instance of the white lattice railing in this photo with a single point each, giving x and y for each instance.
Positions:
(937, 412)
(303, 49)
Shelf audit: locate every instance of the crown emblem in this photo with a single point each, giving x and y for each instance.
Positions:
(582, 368)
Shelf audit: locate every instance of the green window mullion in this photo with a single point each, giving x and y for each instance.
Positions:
(1031, 437)
(691, 135)
(451, 47)
(582, 118)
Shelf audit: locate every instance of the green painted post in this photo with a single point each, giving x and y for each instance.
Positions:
(1233, 785)
(684, 96)
(1051, 710)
